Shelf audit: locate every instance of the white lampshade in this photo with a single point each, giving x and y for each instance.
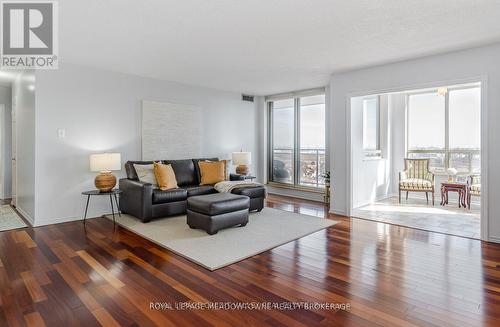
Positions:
(105, 161)
(242, 158)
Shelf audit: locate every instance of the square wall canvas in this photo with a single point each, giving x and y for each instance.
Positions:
(170, 130)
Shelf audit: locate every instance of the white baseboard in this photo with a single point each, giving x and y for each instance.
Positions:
(52, 221)
(378, 198)
(338, 212)
(494, 239)
(46, 222)
(5, 196)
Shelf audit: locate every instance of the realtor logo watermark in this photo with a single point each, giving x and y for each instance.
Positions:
(29, 36)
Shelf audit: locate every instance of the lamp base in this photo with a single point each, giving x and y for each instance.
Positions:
(242, 170)
(105, 181)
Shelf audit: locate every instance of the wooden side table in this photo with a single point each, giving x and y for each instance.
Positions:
(460, 188)
(112, 194)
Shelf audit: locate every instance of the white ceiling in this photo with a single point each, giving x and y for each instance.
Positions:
(266, 46)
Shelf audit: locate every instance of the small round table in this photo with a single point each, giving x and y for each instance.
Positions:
(111, 194)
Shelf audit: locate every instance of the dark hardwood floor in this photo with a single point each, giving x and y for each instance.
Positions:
(65, 275)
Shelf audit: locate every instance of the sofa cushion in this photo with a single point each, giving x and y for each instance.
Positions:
(146, 174)
(251, 192)
(212, 172)
(168, 196)
(475, 189)
(415, 184)
(185, 172)
(165, 176)
(197, 168)
(130, 170)
(199, 190)
(218, 203)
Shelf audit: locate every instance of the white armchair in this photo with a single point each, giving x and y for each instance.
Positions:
(416, 178)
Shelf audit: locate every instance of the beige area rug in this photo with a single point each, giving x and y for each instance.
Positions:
(9, 219)
(265, 230)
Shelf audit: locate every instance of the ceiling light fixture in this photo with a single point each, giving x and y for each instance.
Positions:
(442, 91)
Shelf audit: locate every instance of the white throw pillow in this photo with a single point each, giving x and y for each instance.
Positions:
(146, 173)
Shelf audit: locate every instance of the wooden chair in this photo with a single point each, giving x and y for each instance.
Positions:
(416, 178)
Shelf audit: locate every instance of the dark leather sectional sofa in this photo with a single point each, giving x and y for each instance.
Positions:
(145, 202)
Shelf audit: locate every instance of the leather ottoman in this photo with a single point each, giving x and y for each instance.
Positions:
(213, 212)
(257, 194)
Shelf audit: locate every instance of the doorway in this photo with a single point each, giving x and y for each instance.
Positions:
(9, 217)
(416, 158)
(5, 142)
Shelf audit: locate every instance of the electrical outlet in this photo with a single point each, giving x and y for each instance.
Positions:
(61, 133)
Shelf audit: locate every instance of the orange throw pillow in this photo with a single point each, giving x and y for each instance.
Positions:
(212, 172)
(226, 168)
(165, 176)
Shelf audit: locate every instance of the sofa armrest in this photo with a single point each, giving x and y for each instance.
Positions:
(403, 175)
(136, 198)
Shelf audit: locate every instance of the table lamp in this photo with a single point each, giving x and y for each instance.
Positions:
(104, 163)
(242, 160)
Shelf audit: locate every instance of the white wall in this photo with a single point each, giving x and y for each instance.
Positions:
(397, 114)
(260, 158)
(6, 142)
(430, 71)
(101, 111)
(371, 178)
(23, 100)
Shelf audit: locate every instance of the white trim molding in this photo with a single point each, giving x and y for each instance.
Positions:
(296, 94)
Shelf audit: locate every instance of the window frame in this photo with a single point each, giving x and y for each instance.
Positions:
(296, 150)
(447, 151)
(377, 152)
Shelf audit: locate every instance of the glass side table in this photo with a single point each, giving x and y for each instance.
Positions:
(238, 177)
(112, 194)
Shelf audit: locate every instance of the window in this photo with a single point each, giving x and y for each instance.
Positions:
(426, 122)
(371, 127)
(297, 141)
(283, 120)
(465, 119)
(312, 140)
(446, 129)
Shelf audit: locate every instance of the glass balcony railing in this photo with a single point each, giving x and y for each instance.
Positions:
(311, 165)
(283, 165)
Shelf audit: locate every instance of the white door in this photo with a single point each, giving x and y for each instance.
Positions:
(14, 147)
